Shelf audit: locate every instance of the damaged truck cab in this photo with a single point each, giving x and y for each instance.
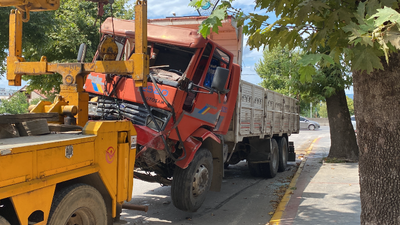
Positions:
(183, 113)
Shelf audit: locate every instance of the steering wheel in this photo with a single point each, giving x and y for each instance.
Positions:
(175, 71)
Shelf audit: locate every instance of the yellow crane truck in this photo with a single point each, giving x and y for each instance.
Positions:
(81, 178)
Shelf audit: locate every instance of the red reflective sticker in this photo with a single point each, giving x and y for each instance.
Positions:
(110, 153)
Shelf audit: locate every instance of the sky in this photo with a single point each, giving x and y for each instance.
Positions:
(162, 9)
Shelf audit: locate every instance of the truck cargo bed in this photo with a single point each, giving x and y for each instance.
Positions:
(263, 113)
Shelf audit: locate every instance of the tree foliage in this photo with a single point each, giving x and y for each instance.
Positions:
(278, 70)
(324, 113)
(15, 105)
(372, 28)
(350, 104)
(58, 34)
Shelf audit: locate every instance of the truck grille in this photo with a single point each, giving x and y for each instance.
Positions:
(115, 109)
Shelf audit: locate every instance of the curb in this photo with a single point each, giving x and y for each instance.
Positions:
(276, 218)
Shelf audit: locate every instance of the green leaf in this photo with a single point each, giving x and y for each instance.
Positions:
(198, 3)
(219, 13)
(352, 28)
(390, 3)
(310, 59)
(360, 12)
(328, 58)
(204, 30)
(386, 14)
(345, 15)
(365, 59)
(372, 6)
(306, 73)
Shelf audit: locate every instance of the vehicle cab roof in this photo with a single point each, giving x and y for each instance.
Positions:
(155, 33)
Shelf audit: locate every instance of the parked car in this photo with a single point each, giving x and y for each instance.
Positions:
(308, 124)
(353, 121)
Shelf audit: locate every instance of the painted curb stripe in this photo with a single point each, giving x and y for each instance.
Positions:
(276, 218)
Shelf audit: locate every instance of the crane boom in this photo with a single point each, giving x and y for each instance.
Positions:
(72, 93)
(32, 5)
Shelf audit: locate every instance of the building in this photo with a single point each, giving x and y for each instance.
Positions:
(6, 93)
(35, 94)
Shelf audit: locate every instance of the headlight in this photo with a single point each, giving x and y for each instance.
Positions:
(93, 108)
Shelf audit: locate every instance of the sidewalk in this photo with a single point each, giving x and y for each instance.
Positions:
(325, 193)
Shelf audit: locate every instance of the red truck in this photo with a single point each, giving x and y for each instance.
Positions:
(196, 116)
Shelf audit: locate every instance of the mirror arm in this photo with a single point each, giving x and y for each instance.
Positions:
(210, 91)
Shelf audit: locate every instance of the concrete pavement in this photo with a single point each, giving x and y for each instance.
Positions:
(324, 193)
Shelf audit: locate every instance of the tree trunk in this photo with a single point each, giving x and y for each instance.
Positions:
(343, 139)
(377, 107)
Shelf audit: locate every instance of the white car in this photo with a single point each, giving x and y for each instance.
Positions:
(308, 124)
(353, 121)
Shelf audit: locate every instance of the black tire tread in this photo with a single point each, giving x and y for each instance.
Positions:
(61, 194)
(271, 172)
(254, 169)
(282, 165)
(180, 189)
(3, 221)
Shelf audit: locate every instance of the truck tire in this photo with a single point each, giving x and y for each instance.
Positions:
(190, 186)
(79, 204)
(271, 168)
(3, 221)
(283, 154)
(255, 169)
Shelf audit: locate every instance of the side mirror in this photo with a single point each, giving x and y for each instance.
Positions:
(219, 81)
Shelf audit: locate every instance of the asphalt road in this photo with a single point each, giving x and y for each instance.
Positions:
(243, 199)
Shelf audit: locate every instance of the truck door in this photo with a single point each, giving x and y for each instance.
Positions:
(206, 106)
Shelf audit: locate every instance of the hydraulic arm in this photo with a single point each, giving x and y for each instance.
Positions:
(73, 74)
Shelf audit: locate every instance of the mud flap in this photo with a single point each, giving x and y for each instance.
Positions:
(260, 150)
(216, 150)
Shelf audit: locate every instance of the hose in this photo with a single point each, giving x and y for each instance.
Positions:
(173, 116)
(155, 123)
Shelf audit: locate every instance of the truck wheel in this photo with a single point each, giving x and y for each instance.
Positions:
(283, 154)
(190, 186)
(226, 165)
(254, 169)
(3, 221)
(271, 168)
(78, 204)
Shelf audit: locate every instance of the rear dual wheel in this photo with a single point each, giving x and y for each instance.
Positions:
(283, 154)
(269, 169)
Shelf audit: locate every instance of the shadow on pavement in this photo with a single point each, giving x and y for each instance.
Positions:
(326, 193)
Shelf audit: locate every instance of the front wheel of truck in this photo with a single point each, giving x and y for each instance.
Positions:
(78, 204)
(190, 186)
(3, 221)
